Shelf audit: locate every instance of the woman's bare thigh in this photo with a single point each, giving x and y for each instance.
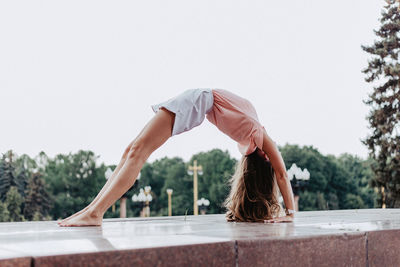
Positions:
(156, 131)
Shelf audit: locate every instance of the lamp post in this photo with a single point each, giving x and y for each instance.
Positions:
(169, 192)
(193, 170)
(147, 190)
(144, 198)
(298, 179)
(203, 204)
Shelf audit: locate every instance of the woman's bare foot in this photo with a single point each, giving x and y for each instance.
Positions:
(86, 218)
(74, 215)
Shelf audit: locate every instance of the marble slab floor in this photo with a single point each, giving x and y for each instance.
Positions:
(369, 237)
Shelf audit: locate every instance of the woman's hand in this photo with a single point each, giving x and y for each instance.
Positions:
(283, 219)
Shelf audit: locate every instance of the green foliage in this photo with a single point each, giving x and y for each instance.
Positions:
(26, 164)
(37, 201)
(352, 201)
(321, 202)
(332, 202)
(312, 201)
(332, 179)
(360, 174)
(172, 173)
(9, 177)
(37, 216)
(218, 167)
(168, 173)
(13, 202)
(307, 201)
(74, 181)
(383, 72)
(68, 183)
(4, 213)
(310, 158)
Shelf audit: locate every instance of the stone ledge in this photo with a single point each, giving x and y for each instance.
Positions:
(215, 254)
(323, 238)
(384, 248)
(327, 250)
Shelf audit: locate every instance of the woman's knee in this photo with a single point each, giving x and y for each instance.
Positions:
(136, 151)
(126, 152)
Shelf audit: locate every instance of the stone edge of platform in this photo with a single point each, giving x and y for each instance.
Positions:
(370, 248)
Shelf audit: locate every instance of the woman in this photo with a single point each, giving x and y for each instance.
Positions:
(253, 195)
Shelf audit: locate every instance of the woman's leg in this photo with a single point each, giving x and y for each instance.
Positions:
(106, 185)
(154, 134)
(108, 182)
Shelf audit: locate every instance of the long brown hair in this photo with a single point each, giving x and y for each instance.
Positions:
(253, 196)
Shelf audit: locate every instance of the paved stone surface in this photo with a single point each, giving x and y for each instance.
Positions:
(323, 238)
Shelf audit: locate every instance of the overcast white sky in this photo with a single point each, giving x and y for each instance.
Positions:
(83, 74)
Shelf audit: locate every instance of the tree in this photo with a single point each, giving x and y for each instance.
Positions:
(360, 173)
(332, 179)
(13, 202)
(37, 201)
(333, 202)
(383, 71)
(4, 214)
(218, 168)
(174, 175)
(352, 201)
(8, 177)
(155, 175)
(74, 180)
(310, 158)
(26, 164)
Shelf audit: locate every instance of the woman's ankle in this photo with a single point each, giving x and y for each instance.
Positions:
(94, 212)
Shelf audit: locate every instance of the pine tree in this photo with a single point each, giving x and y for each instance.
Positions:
(4, 213)
(383, 72)
(8, 177)
(13, 202)
(22, 181)
(37, 201)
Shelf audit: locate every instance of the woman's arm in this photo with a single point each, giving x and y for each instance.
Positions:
(282, 178)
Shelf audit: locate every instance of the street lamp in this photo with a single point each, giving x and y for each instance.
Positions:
(149, 198)
(296, 172)
(193, 170)
(169, 192)
(298, 179)
(203, 203)
(140, 198)
(144, 198)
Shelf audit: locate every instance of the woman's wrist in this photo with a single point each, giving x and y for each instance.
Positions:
(290, 212)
